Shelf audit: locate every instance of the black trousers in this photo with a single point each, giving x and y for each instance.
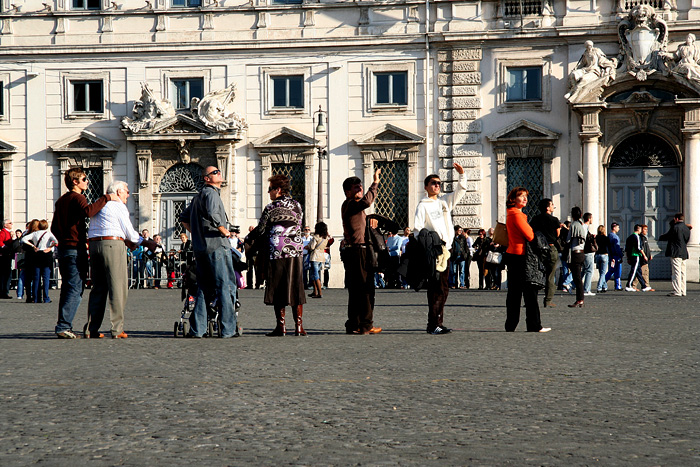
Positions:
(636, 271)
(517, 290)
(438, 289)
(359, 280)
(576, 264)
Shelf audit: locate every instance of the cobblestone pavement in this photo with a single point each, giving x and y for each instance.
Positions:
(614, 383)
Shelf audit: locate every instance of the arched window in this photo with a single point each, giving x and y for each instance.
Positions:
(182, 178)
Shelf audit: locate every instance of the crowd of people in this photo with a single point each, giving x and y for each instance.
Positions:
(287, 259)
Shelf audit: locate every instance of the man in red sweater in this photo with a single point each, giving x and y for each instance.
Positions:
(68, 226)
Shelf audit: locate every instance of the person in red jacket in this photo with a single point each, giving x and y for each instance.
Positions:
(68, 226)
(519, 232)
(6, 255)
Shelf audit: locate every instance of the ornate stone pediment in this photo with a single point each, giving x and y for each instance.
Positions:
(389, 134)
(7, 149)
(285, 145)
(523, 130)
(284, 137)
(85, 141)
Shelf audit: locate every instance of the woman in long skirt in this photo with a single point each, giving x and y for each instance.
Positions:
(280, 228)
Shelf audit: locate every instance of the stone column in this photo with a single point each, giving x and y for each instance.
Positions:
(691, 175)
(590, 135)
(7, 197)
(501, 183)
(310, 161)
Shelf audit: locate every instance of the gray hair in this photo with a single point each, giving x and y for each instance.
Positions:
(116, 185)
(6, 221)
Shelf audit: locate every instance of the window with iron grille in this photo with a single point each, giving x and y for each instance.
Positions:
(183, 90)
(526, 172)
(392, 193)
(295, 172)
(95, 187)
(522, 8)
(182, 178)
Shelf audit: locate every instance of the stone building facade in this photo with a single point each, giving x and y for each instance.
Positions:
(149, 93)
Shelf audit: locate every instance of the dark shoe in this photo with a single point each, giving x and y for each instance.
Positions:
(313, 295)
(577, 304)
(48, 300)
(5, 297)
(440, 330)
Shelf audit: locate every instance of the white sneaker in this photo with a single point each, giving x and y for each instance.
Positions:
(646, 289)
(545, 330)
(589, 294)
(630, 289)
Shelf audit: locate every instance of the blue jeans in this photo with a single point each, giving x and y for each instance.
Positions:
(42, 274)
(587, 271)
(601, 262)
(216, 281)
(566, 279)
(20, 284)
(73, 268)
(456, 273)
(615, 271)
(315, 272)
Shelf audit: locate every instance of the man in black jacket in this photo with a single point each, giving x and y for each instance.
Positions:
(549, 225)
(633, 250)
(677, 249)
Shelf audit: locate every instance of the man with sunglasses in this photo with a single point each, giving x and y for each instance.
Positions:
(434, 212)
(68, 226)
(206, 219)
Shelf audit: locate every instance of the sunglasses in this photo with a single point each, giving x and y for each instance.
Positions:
(213, 172)
(271, 189)
(436, 183)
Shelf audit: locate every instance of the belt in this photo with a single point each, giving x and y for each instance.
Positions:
(99, 239)
(356, 245)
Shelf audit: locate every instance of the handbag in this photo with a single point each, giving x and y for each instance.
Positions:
(591, 246)
(500, 234)
(494, 257)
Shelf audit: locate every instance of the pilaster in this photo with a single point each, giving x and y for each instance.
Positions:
(459, 128)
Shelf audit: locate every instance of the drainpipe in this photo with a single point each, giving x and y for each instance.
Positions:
(426, 80)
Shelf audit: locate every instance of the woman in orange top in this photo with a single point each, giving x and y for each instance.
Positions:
(519, 232)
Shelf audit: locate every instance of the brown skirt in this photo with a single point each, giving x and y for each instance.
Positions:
(285, 284)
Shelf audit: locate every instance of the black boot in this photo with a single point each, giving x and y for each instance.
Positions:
(279, 329)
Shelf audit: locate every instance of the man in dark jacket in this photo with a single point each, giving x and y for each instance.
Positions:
(549, 225)
(633, 250)
(677, 249)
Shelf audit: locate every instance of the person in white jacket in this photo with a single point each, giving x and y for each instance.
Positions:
(434, 212)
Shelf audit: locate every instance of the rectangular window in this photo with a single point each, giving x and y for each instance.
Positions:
(88, 96)
(86, 4)
(186, 3)
(524, 84)
(2, 99)
(183, 90)
(288, 91)
(391, 88)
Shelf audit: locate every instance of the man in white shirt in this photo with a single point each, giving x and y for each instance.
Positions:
(434, 212)
(109, 230)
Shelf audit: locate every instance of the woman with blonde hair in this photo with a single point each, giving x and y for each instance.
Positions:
(519, 233)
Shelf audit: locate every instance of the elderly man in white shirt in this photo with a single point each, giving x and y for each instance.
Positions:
(109, 230)
(434, 212)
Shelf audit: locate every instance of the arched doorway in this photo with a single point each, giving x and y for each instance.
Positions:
(644, 187)
(178, 186)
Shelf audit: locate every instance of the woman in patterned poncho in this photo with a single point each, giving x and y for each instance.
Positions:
(280, 223)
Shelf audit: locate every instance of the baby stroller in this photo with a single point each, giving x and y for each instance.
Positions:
(189, 292)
